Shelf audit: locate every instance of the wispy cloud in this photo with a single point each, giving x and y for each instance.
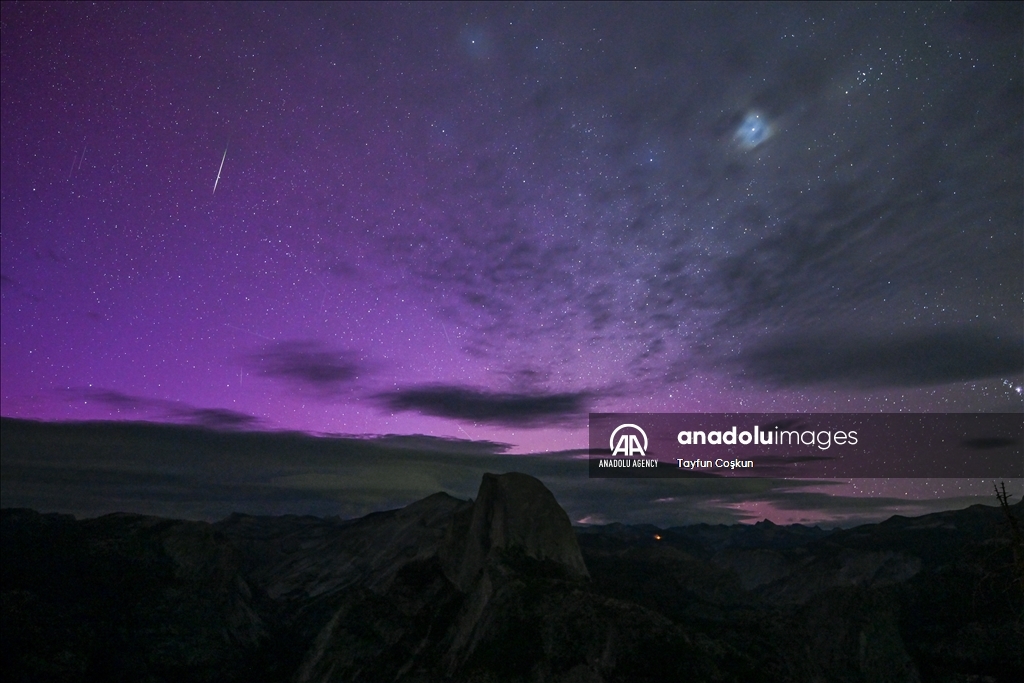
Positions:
(216, 418)
(174, 411)
(898, 360)
(528, 409)
(438, 444)
(309, 366)
(821, 227)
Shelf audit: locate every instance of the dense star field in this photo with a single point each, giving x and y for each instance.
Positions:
(480, 222)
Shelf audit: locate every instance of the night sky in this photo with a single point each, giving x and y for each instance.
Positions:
(481, 222)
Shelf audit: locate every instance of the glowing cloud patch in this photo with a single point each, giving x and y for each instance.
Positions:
(753, 131)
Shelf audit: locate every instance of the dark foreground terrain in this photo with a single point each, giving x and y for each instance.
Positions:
(504, 589)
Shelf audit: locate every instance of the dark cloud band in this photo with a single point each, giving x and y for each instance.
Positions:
(175, 411)
(920, 359)
(309, 365)
(509, 409)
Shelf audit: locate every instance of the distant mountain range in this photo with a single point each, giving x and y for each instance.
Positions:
(503, 588)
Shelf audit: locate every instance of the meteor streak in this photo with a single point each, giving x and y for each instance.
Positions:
(223, 157)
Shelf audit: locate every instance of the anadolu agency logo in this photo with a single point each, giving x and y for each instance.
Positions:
(628, 443)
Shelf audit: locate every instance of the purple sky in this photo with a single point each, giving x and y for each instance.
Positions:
(483, 221)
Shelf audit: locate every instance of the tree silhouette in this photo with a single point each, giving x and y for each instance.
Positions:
(1016, 540)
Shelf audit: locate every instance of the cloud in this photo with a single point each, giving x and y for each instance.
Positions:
(531, 409)
(175, 411)
(217, 418)
(309, 365)
(119, 400)
(914, 359)
(194, 472)
(739, 245)
(438, 444)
